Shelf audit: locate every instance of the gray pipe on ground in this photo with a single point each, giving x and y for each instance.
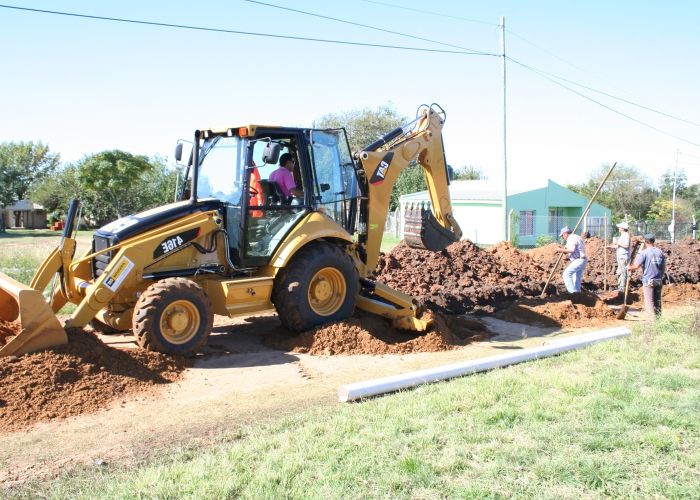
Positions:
(352, 392)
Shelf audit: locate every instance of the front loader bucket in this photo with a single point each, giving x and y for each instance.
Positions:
(27, 323)
(422, 230)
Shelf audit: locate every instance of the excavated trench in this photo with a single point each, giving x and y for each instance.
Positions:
(86, 375)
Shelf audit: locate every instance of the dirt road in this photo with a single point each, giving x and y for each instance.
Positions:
(239, 381)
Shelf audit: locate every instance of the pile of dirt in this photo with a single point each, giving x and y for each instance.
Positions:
(558, 312)
(7, 331)
(682, 263)
(82, 376)
(461, 277)
(464, 277)
(369, 334)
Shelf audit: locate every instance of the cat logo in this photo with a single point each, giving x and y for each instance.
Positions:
(118, 274)
(380, 172)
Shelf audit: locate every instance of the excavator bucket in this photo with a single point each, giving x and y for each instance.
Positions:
(422, 230)
(27, 323)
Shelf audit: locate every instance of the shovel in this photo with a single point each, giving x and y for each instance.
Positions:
(623, 310)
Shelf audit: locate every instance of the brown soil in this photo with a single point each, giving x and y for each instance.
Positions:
(682, 264)
(7, 331)
(464, 277)
(81, 377)
(557, 311)
(369, 334)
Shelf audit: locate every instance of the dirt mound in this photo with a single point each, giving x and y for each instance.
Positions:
(82, 376)
(462, 276)
(683, 293)
(7, 331)
(369, 334)
(682, 263)
(557, 312)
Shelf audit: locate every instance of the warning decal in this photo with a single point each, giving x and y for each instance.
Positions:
(118, 274)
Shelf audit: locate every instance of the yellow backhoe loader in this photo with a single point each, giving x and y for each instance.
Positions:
(237, 243)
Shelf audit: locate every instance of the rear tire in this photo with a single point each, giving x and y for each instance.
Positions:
(173, 316)
(318, 285)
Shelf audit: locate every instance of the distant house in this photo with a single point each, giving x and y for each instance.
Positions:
(477, 207)
(24, 214)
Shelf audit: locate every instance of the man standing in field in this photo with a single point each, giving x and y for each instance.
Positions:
(575, 248)
(653, 262)
(622, 253)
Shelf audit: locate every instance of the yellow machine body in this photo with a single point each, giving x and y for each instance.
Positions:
(164, 273)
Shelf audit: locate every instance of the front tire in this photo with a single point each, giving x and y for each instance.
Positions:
(318, 285)
(173, 316)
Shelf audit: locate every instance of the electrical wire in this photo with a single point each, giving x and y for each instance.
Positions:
(544, 75)
(627, 101)
(615, 97)
(235, 32)
(383, 30)
(477, 21)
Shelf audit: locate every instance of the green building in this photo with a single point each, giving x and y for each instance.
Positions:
(477, 207)
(544, 211)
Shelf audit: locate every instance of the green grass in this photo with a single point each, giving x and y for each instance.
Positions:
(389, 241)
(23, 250)
(618, 419)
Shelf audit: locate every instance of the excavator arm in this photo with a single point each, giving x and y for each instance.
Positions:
(383, 161)
(380, 165)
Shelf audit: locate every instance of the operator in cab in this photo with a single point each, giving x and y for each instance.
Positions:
(284, 177)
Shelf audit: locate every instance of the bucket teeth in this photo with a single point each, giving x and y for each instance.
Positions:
(422, 230)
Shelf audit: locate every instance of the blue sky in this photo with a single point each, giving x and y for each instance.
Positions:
(83, 86)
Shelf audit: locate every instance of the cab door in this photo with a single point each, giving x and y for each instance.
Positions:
(268, 218)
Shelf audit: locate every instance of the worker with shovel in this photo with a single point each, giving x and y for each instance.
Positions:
(622, 253)
(575, 248)
(653, 262)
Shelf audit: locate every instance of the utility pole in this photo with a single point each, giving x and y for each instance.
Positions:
(506, 225)
(672, 227)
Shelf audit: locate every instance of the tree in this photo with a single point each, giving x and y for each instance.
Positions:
(22, 163)
(469, 173)
(626, 192)
(110, 185)
(666, 184)
(364, 126)
(662, 210)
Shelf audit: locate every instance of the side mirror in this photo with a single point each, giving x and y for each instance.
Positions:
(324, 187)
(181, 152)
(271, 153)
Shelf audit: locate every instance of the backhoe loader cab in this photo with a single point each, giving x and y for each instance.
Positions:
(269, 217)
(237, 168)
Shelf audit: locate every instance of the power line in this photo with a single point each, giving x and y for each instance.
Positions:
(544, 75)
(234, 32)
(617, 98)
(627, 101)
(313, 14)
(478, 21)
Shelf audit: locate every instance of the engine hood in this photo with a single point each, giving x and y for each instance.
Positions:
(131, 225)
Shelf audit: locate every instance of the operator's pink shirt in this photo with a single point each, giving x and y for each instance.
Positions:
(284, 179)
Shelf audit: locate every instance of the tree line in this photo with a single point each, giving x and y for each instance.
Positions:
(630, 195)
(112, 184)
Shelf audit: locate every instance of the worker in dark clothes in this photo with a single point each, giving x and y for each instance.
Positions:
(653, 263)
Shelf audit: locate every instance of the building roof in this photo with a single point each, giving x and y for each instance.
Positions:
(23, 206)
(481, 190)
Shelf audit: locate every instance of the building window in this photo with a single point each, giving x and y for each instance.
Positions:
(556, 220)
(527, 223)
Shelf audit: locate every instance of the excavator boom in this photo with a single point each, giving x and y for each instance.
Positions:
(432, 228)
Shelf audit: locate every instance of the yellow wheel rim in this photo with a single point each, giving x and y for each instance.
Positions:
(179, 322)
(327, 291)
